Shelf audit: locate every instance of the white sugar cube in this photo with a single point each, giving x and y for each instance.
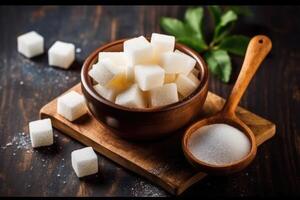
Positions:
(177, 51)
(118, 58)
(105, 92)
(162, 43)
(193, 78)
(71, 105)
(174, 62)
(61, 54)
(170, 78)
(139, 51)
(130, 74)
(105, 71)
(149, 76)
(31, 44)
(164, 95)
(84, 161)
(132, 97)
(41, 133)
(185, 85)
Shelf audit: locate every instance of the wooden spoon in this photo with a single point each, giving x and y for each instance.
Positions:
(258, 48)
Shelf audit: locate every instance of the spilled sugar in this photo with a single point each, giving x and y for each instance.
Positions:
(143, 189)
(78, 50)
(20, 141)
(219, 144)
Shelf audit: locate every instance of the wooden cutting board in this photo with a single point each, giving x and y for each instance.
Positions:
(161, 161)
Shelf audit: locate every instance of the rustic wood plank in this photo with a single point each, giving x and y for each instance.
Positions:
(160, 161)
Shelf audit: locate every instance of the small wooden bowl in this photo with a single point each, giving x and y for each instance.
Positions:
(147, 123)
(230, 168)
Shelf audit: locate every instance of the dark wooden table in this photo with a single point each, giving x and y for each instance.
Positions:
(27, 84)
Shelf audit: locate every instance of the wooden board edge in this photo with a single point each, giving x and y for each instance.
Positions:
(269, 134)
(191, 181)
(172, 189)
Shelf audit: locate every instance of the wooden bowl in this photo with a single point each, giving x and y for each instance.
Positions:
(146, 123)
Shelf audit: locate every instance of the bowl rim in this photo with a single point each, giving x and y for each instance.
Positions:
(91, 91)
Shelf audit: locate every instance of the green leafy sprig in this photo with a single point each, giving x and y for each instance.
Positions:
(216, 52)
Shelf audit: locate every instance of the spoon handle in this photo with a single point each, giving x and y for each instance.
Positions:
(258, 48)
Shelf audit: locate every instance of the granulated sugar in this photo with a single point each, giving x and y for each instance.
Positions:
(219, 144)
(19, 141)
(141, 188)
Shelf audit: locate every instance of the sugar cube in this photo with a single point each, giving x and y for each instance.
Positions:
(164, 95)
(104, 71)
(149, 76)
(41, 133)
(61, 54)
(162, 43)
(132, 97)
(195, 71)
(130, 74)
(105, 92)
(193, 78)
(118, 58)
(186, 85)
(174, 62)
(71, 105)
(139, 51)
(30, 44)
(169, 78)
(84, 161)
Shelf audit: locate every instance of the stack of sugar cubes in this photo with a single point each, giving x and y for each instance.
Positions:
(146, 74)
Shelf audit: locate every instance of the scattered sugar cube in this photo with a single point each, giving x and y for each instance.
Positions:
(118, 58)
(132, 97)
(162, 43)
(84, 161)
(170, 78)
(61, 54)
(174, 62)
(105, 92)
(138, 50)
(164, 95)
(196, 72)
(31, 44)
(41, 133)
(71, 105)
(185, 85)
(149, 76)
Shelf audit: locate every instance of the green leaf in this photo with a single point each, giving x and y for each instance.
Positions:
(219, 64)
(193, 17)
(224, 26)
(173, 26)
(235, 44)
(216, 12)
(193, 42)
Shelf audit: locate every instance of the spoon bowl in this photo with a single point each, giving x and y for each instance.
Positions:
(220, 169)
(258, 48)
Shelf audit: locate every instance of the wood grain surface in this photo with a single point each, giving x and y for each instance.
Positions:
(160, 161)
(28, 84)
